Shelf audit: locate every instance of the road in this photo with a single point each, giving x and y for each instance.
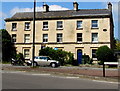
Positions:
(23, 80)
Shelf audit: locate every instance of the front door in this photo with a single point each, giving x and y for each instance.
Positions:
(79, 56)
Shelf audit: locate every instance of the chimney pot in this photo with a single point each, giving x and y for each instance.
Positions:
(75, 5)
(45, 8)
(110, 6)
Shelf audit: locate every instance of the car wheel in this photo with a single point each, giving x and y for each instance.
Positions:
(53, 65)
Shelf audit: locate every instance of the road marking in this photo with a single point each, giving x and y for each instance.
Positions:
(68, 77)
(13, 71)
(41, 74)
(72, 77)
(105, 81)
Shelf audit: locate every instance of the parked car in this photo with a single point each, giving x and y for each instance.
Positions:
(45, 61)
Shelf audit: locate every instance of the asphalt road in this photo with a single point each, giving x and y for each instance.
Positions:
(23, 80)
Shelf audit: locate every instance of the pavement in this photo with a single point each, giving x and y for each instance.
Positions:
(81, 72)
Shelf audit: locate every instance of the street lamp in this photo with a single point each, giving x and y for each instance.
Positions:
(33, 44)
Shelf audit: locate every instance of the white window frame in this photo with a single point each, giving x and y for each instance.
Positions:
(14, 39)
(45, 25)
(93, 53)
(59, 24)
(45, 38)
(27, 38)
(14, 26)
(59, 37)
(79, 24)
(94, 24)
(27, 24)
(79, 37)
(94, 58)
(27, 53)
(94, 38)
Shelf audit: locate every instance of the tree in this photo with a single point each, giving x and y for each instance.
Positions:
(63, 57)
(118, 45)
(105, 54)
(8, 49)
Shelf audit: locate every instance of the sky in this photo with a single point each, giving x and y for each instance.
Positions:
(8, 9)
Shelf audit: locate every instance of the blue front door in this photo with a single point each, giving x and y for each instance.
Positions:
(79, 56)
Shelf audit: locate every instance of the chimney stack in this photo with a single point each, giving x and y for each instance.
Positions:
(45, 8)
(110, 6)
(75, 5)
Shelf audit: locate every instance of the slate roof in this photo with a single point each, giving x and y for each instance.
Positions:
(61, 14)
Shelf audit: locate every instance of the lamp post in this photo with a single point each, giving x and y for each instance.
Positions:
(33, 44)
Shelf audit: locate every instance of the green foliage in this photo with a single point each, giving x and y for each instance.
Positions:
(20, 56)
(105, 54)
(118, 45)
(86, 59)
(62, 56)
(8, 49)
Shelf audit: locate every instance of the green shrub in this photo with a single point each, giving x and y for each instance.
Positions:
(20, 58)
(105, 54)
(86, 59)
(63, 57)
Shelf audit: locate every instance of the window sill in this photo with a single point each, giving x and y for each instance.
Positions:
(59, 29)
(59, 42)
(95, 42)
(79, 41)
(14, 30)
(79, 28)
(26, 42)
(27, 29)
(45, 29)
(44, 42)
(94, 28)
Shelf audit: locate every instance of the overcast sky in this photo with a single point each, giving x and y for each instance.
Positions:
(10, 8)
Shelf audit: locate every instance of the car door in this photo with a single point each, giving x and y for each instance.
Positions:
(43, 61)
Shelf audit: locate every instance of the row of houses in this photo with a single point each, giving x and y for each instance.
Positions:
(77, 30)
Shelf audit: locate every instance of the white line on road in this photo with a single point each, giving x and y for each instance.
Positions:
(106, 82)
(72, 77)
(41, 74)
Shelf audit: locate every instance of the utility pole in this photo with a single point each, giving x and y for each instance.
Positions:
(33, 44)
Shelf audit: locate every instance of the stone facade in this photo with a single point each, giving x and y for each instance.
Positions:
(73, 35)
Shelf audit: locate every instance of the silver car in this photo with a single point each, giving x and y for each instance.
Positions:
(45, 61)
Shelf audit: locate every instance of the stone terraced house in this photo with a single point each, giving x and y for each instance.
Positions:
(77, 30)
